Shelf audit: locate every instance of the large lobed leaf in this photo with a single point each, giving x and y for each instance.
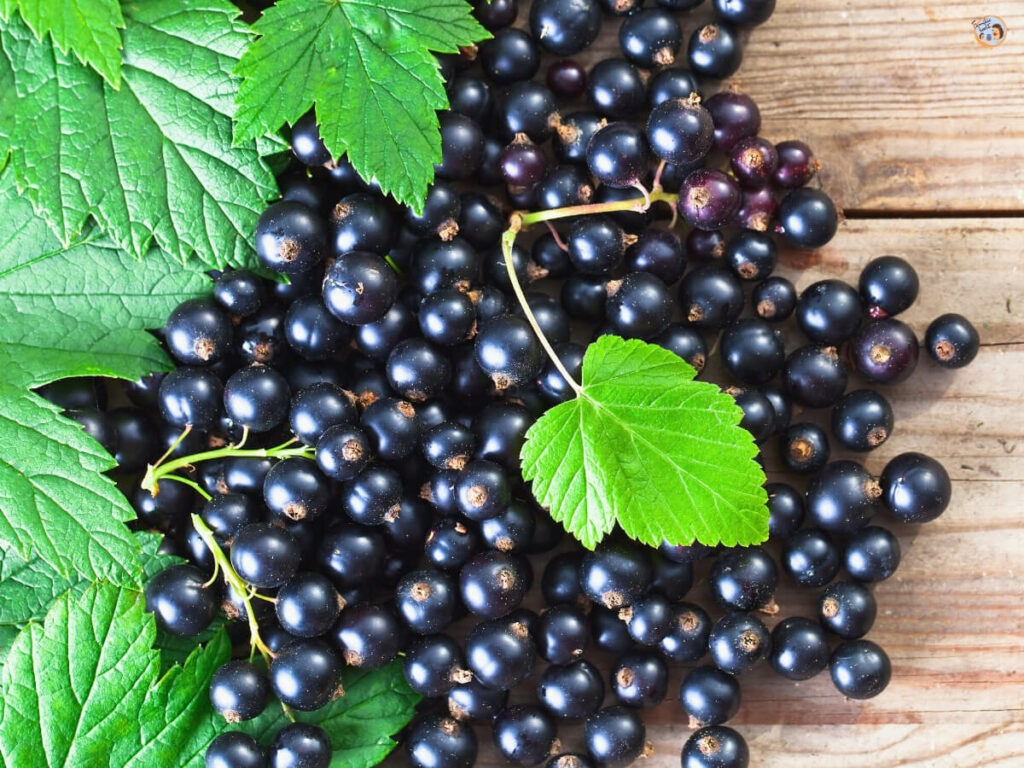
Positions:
(153, 159)
(73, 312)
(648, 448)
(368, 68)
(89, 28)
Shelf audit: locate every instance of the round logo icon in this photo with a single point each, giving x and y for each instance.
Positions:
(990, 31)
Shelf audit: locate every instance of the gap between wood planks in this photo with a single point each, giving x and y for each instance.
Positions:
(861, 214)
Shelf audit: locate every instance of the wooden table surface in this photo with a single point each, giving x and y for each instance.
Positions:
(921, 133)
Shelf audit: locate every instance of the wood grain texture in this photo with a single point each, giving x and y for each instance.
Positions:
(905, 109)
(952, 618)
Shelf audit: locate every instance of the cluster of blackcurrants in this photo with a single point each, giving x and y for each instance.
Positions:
(398, 358)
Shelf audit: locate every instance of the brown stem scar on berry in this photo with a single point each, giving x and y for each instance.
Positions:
(290, 250)
(506, 579)
(613, 599)
(420, 591)
(708, 745)
(749, 641)
(295, 511)
(830, 607)
(406, 409)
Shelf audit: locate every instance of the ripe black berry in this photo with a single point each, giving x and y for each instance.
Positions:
(566, 78)
(571, 691)
(525, 734)
(786, 510)
(234, 749)
(198, 332)
(952, 341)
(715, 51)
(433, 665)
(708, 199)
(306, 674)
(752, 351)
(181, 603)
(359, 287)
(615, 575)
(680, 130)
(617, 156)
(639, 306)
(436, 741)
(615, 89)
(711, 296)
(807, 218)
(564, 27)
(915, 488)
(372, 496)
(738, 642)
(735, 116)
(872, 554)
(843, 497)
(368, 635)
(744, 579)
(804, 448)
(426, 600)
(860, 669)
(687, 638)
(650, 38)
(716, 746)
(296, 490)
(810, 558)
(239, 691)
(744, 13)
(888, 285)
(394, 427)
(191, 396)
(814, 376)
(862, 420)
(318, 407)
(510, 56)
(640, 679)
(256, 397)
(847, 609)
(828, 312)
(686, 342)
(475, 701)
(500, 653)
(290, 238)
(614, 736)
(265, 555)
(508, 351)
(308, 605)
(799, 648)
(492, 584)
(709, 695)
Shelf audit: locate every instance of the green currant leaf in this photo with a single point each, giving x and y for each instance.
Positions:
(377, 704)
(367, 66)
(154, 159)
(87, 27)
(79, 311)
(649, 448)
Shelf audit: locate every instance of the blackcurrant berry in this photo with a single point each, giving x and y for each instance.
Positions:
(952, 341)
(265, 555)
(198, 332)
(290, 238)
(807, 218)
(650, 38)
(797, 165)
(368, 636)
(359, 287)
(492, 584)
(786, 510)
(426, 600)
(686, 342)
(843, 497)
(296, 490)
(715, 51)
(256, 397)
(744, 13)
(525, 734)
(394, 427)
(711, 296)
(738, 642)
(510, 55)
(687, 638)
(915, 488)
(436, 741)
(615, 575)
(308, 605)
(799, 648)
(511, 531)
(191, 396)
(862, 420)
(847, 609)
(735, 116)
(306, 674)
(716, 746)
(828, 312)
(708, 199)
(617, 156)
(814, 376)
(885, 351)
(774, 299)
(343, 451)
(300, 745)
(614, 736)
(888, 285)
(640, 679)
(860, 669)
(475, 701)
(810, 558)
(234, 749)
(352, 556)
(571, 691)
(500, 653)
(239, 691)
(709, 696)
(317, 408)
(180, 601)
(615, 89)
(508, 351)
(752, 351)
(564, 27)
(744, 579)
(872, 554)
(671, 83)
(372, 496)
(680, 130)
(433, 665)
(804, 448)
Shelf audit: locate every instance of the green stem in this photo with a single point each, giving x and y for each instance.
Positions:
(155, 472)
(191, 484)
(522, 219)
(507, 240)
(236, 583)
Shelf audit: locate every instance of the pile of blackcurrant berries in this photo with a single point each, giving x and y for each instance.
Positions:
(397, 359)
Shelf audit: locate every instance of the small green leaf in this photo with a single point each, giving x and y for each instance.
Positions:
(648, 448)
(153, 160)
(75, 312)
(87, 27)
(367, 66)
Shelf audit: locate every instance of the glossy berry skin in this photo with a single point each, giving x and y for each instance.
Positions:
(524, 734)
(296, 490)
(797, 165)
(476, 702)
(608, 631)
(847, 609)
(814, 376)
(368, 636)
(500, 653)
(394, 426)
(751, 255)
(492, 584)
(786, 510)
(359, 288)
(300, 745)
(190, 396)
(482, 490)
(780, 405)
(618, 156)
(649, 619)
(306, 674)
(650, 38)
(711, 296)
(566, 79)
(308, 605)
(872, 554)
(343, 451)
(290, 238)
(843, 497)
(508, 352)
(687, 638)
(596, 245)
(799, 648)
(265, 555)
(562, 634)
(462, 146)
(239, 691)
(738, 642)
(437, 741)
(417, 370)
(307, 146)
(715, 51)
(672, 83)
(615, 89)
(451, 542)
(551, 383)
(523, 163)
(915, 488)
(862, 420)
(744, 579)
(885, 351)
(684, 341)
(448, 445)
(510, 56)
(810, 558)
(501, 430)
(615, 575)
(680, 131)
(708, 199)
(828, 312)
(752, 351)
(316, 408)
(614, 736)
(744, 13)
(658, 252)
(573, 139)
(257, 397)
(860, 669)
(639, 306)
(426, 600)
(888, 285)
(804, 448)
(560, 582)
(565, 27)
(807, 218)
(234, 749)
(198, 332)
(709, 695)
(226, 513)
(756, 209)
(753, 160)
(735, 116)
(528, 108)
(180, 602)
(373, 495)
(572, 691)
(715, 747)
(433, 665)
(952, 341)
(512, 530)
(312, 331)
(640, 679)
